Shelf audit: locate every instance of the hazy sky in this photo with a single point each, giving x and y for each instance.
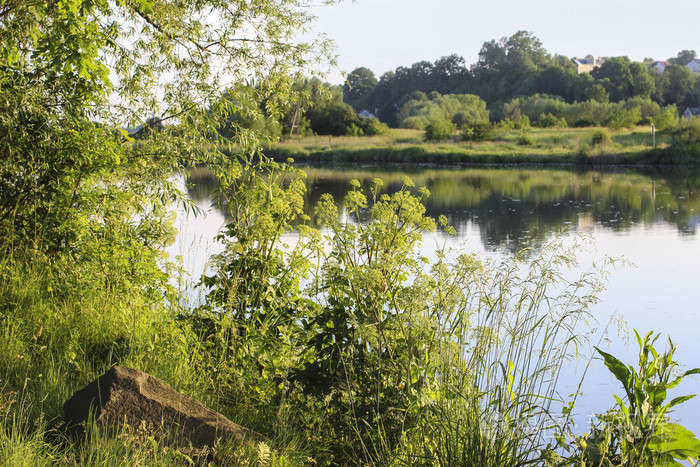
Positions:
(385, 34)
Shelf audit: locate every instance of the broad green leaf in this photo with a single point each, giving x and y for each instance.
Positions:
(678, 400)
(672, 437)
(618, 369)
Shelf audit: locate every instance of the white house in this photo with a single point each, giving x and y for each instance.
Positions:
(694, 65)
(659, 66)
(364, 113)
(691, 112)
(586, 65)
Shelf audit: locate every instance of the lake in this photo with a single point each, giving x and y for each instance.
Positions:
(650, 218)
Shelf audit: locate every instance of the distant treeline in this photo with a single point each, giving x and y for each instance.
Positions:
(515, 81)
(518, 66)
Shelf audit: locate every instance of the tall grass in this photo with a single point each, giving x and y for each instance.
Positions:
(517, 324)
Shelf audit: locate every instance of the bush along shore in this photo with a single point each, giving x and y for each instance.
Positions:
(577, 146)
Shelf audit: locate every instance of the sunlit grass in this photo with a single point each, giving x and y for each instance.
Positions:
(403, 145)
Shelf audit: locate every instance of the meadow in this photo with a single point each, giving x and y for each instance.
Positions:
(586, 146)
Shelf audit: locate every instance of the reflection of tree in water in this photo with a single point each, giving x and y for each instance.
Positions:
(201, 185)
(515, 208)
(521, 207)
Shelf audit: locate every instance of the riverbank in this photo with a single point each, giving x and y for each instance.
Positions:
(568, 146)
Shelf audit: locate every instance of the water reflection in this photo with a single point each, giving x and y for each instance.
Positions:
(516, 208)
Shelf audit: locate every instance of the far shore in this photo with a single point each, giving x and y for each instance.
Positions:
(566, 146)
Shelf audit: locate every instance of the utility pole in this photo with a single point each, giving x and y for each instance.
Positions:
(295, 122)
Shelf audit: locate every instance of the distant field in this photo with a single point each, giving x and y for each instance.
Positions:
(568, 145)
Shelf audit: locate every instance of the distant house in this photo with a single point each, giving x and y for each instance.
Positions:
(366, 114)
(659, 66)
(586, 65)
(691, 112)
(694, 65)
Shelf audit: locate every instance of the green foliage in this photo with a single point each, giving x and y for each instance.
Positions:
(461, 109)
(676, 84)
(623, 118)
(687, 134)
(623, 79)
(667, 119)
(550, 121)
(486, 409)
(374, 127)
(439, 130)
(334, 118)
(358, 87)
(279, 346)
(479, 132)
(85, 205)
(323, 107)
(580, 114)
(600, 137)
(248, 107)
(352, 334)
(525, 139)
(508, 124)
(637, 432)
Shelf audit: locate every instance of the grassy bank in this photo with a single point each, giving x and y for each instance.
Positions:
(587, 146)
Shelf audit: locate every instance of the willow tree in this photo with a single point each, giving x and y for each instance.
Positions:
(101, 99)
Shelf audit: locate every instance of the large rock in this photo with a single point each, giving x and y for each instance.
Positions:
(124, 395)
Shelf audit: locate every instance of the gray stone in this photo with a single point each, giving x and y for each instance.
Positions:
(143, 402)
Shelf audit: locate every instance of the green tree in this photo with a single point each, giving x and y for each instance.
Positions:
(615, 76)
(683, 57)
(462, 109)
(667, 119)
(334, 118)
(678, 82)
(358, 87)
(449, 73)
(623, 118)
(439, 130)
(642, 83)
(72, 73)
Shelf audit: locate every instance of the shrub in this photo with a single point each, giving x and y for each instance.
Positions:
(550, 121)
(453, 354)
(480, 132)
(374, 127)
(667, 119)
(584, 151)
(623, 118)
(461, 109)
(687, 134)
(439, 130)
(600, 137)
(525, 139)
(584, 122)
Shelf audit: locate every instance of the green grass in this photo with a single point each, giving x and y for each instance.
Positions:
(60, 328)
(549, 146)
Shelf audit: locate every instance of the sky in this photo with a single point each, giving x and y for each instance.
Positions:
(385, 34)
